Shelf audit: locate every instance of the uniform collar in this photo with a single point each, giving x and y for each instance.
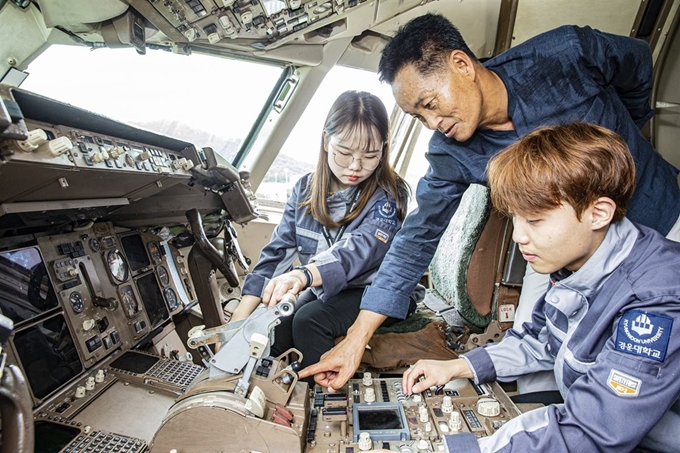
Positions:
(345, 195)
(616, 246)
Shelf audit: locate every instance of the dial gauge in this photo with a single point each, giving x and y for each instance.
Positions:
(129, 301)
(171, 298)
(163, 275)
(117, 265)
(154, 251)
(77, 302)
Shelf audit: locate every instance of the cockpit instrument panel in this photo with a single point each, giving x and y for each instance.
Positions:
(118, 267)
(266, 22)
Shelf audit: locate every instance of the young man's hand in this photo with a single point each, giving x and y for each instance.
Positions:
(433, 372)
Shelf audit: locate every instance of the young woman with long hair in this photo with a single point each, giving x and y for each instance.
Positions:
(339, 223)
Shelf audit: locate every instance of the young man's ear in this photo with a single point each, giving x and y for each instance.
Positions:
(602, 212)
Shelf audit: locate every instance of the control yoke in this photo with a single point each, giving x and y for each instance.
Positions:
(208, 250)
(15, 401)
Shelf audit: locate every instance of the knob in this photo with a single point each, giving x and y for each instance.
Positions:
(36, 137)
(447, 405)
(100, 376)
(228, 27)
(188, 165)
(73, 272)
(89, 384)
(369, 395)
(178, 163)
(80, 392)
(246, 18)
(427, 427)
(116, 152)
(214, 38)
(191, 34)
(417, 398)
(100, 157)
(423, 416)
(365, 442)
(88, 324)
(455, 423)
(423, 445)
(367, 379)
(488, 407)
(145, 155)
(56, 147)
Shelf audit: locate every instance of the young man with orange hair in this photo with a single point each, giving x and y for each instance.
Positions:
(608, 327)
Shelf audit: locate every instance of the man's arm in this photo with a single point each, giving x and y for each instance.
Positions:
(404, 265)
(339, 364)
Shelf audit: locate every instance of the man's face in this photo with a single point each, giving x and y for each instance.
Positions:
(555, 239)
(447, 100)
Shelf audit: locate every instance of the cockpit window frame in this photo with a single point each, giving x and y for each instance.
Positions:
(261, 119)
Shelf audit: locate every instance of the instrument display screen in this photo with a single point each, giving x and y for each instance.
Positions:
(52, 437)
(48, 355)
(25, 286)
(135, 251)
(152, 298)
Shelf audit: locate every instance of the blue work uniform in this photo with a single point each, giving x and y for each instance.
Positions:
(565, 75)
(351, 262)
(611, 333)
(347, 264)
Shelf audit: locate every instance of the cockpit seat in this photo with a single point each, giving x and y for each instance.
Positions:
(474, 283)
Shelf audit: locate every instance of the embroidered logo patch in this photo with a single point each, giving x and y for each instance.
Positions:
(386, 212)
(644, 334)
(382, 236)
(623, 384)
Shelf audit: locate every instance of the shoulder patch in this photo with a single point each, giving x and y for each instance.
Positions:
(386, 211)
(644, 334)
(623, 384)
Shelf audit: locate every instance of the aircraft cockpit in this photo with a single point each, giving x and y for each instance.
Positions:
(139, 181)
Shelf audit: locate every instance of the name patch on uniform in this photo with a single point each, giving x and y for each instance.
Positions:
(386, 212)
(623, 384)
(644, 334)
(382, 236)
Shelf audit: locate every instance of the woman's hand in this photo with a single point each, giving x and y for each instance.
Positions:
(434, 372)
(291, 282)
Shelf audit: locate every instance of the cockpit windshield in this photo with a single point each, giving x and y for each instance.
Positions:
(160, 91)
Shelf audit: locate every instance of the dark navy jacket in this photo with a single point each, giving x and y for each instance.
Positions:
(611, 333)
(565, 75)
(351, 262)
